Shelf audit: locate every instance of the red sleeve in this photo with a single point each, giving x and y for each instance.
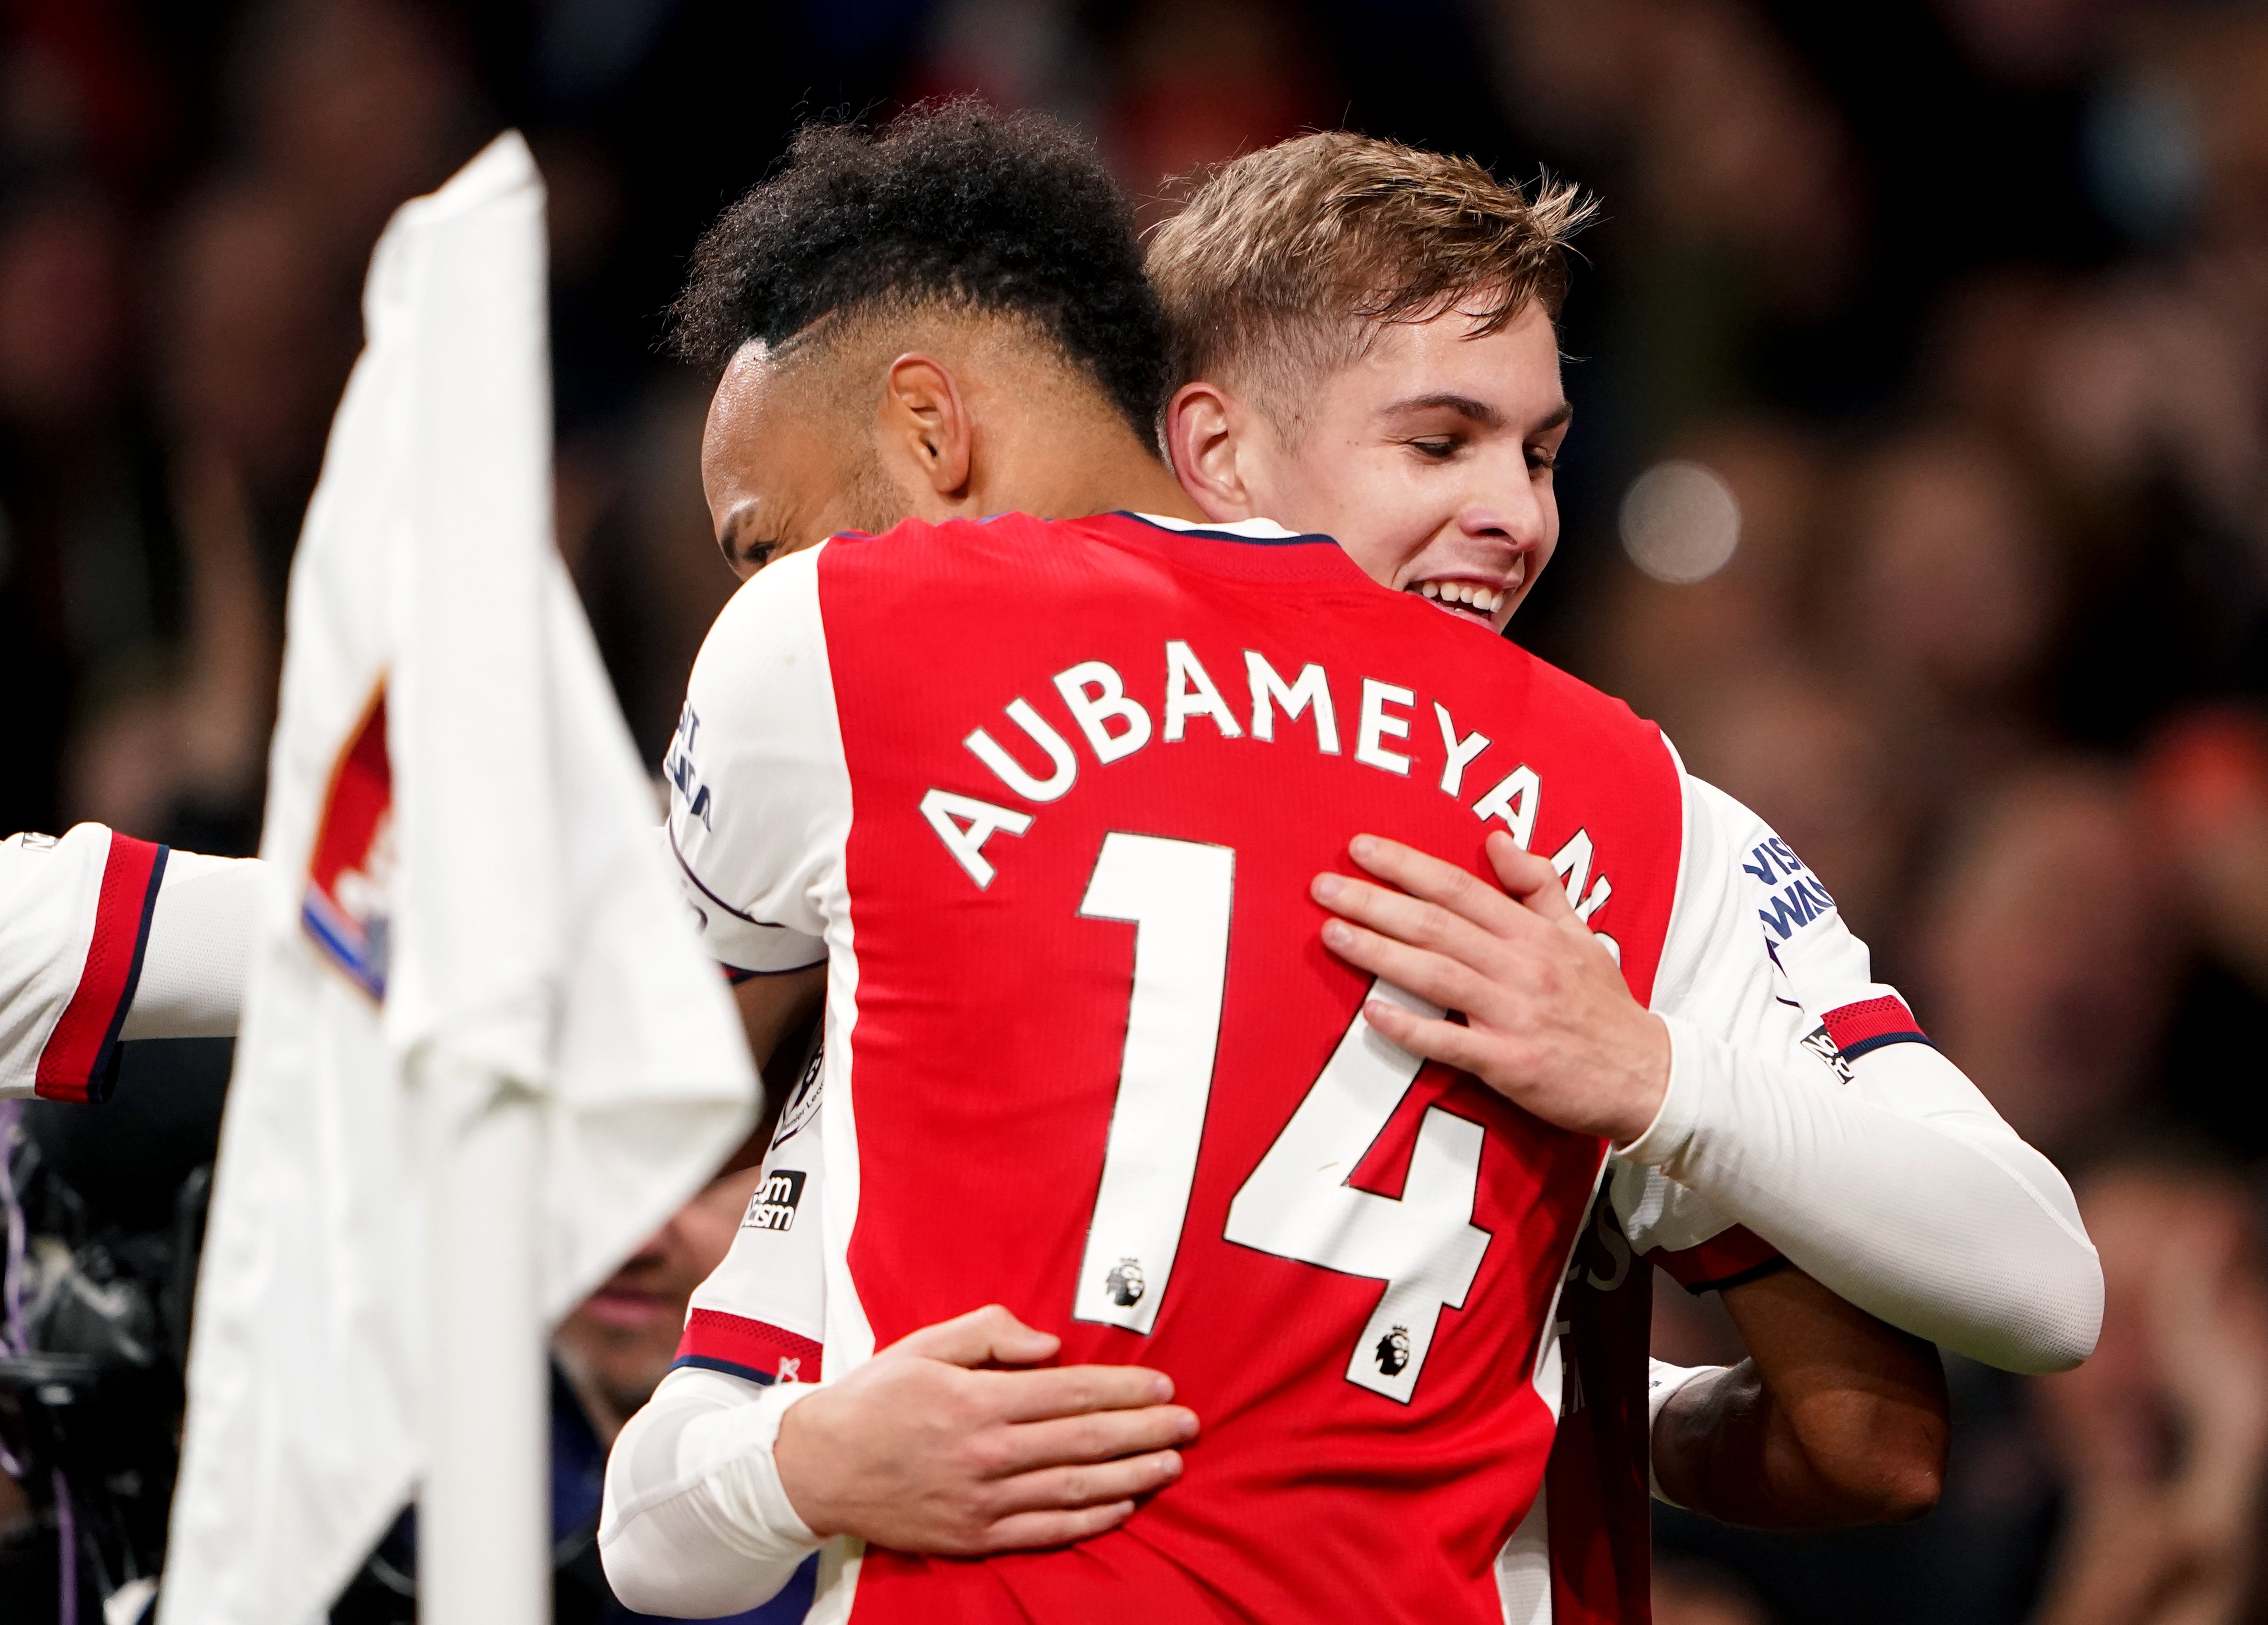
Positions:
(739, 1347)
(79, 1061)
(1726, 1259)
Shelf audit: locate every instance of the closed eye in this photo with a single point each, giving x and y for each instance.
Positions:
(747, 557)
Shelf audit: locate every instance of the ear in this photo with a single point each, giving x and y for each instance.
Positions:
(924, 424)
(1206, 429)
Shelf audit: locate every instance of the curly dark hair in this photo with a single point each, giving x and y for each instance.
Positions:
(950, 202)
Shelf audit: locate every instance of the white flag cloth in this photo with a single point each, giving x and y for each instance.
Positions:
(461, 848)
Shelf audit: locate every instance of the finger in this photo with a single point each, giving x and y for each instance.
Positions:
(1061, 1489)
(1531, 881)
(982, 1335)
(1448, 885)
(1435, 977)
(1027, 1532)
(1410, 920)
(1074, 1390)
(1101, 1436)
(1446, 1042)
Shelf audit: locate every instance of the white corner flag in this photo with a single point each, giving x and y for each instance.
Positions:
(483, 1054)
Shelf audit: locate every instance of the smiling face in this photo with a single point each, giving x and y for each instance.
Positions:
(1428, 458)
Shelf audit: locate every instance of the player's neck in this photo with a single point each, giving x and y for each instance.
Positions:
(1074, 470)
(1147, 486)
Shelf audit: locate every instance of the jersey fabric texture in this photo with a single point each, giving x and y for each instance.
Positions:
(760, 1316)
(1050, 796)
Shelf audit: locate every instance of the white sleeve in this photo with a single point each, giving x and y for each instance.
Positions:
(758, 799)
(695, 1523)
(199, 948)
(103, 938)
(1805, 1102)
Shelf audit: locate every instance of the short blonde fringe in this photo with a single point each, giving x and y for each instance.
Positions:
(1285, 262)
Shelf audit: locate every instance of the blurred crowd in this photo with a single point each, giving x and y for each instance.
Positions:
(1918, 485)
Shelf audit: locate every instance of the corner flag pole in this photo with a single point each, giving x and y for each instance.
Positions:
(483, 1519)
(483, 1053)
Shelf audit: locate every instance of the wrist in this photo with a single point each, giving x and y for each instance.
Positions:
(1648, 1071)
(1672, 1390)
(1663, 1137)
(800, 1455)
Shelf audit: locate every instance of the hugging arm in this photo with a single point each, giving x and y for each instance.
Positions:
(743, 1462)
(1833, 1419)
(720, 1486)
(1804, 1100)
(1868, 1159)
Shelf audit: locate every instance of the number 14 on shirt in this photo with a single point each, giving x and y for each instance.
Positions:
(1296, 1204)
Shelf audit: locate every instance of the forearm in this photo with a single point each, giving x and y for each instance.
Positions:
(1672, 1449)
(1930, 1220)
(1724, 1447)
(772, 1007)
(695, 1524)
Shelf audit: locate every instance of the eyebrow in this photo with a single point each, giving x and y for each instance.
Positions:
(1477, 411)
(737, 525)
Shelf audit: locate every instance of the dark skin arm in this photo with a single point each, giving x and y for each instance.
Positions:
(774, 1010)
(773, 1006)
(1833, 1419)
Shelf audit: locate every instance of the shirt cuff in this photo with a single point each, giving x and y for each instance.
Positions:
(79, 1058)
(1729, 1258)
(1664, 1382)
(759, 1521)
(1674, 1121)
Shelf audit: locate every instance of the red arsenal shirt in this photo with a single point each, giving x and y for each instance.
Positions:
(1047, 797)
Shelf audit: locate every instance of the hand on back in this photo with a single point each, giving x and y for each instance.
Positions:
(922, 1450)
(1550, 1022)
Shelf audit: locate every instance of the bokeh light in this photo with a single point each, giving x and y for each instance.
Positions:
(1681, 522)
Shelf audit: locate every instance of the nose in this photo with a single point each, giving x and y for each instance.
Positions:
(1512, 509)
(652, 1252)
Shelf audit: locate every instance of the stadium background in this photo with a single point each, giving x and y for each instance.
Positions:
(1957, 313)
